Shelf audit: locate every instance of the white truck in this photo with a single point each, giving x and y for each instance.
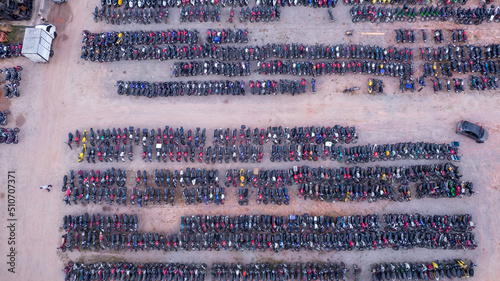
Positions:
(37, 42)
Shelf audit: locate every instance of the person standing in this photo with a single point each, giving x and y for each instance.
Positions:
(41, 17)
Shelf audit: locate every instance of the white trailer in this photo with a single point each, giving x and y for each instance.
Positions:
(37, 42)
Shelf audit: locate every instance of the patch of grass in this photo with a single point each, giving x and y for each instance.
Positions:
(17, 34)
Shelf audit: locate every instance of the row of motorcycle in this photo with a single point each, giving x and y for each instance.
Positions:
(9, 135)
(394, 2)
(428, 270)
(372, 192)
(404, 35)
(126, 39)
(295, 175)
(460, 15)
(119, 38)
(259, 178)
(211, 67)
(167, 3)
(205, 88)
(482, 83)
(375, 86)
(281, 271)
(287, 152)
(484, 67)
(189, 52)
(202, 194)
(107, 271)
(3, 117)
(452, 52)
(13, 78)
(260, 13)
(438, 86)
(221, 36)
(104, 223)
(294, 223)
(321, 68)
(316, 184)
(188, 13)
(10, 51)
(180, 3)
(201, 13)
(145, 16)
(228, 136)
(275, 233)
(305, 223)
(457, 85)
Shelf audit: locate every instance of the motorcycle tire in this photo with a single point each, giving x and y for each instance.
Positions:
(16, 130)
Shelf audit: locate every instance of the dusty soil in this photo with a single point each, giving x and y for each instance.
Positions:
(69, 94)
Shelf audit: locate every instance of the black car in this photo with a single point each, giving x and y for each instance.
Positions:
(473, 131)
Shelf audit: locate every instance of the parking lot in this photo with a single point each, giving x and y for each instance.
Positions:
(69, 93)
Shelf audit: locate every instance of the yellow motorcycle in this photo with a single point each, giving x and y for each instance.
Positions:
(242, 177)
(82, 154)
(84, 139)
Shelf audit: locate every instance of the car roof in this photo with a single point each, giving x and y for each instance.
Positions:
(472, 127)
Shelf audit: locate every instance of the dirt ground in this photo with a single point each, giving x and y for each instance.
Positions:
(69, 94)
